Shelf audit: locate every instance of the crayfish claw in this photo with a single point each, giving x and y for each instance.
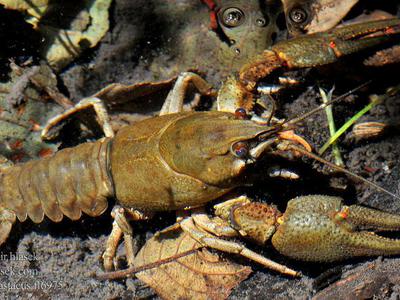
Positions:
(368, 218)
(326, 47)
(321, 228)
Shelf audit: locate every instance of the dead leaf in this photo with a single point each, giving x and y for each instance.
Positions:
(34, 9)
(199, 275)
(63, 44)
(321, 14)
(328, 13)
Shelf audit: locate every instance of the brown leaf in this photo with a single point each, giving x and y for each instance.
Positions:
(319, 15)
(199, 275)
(61, 46)
(328, 13)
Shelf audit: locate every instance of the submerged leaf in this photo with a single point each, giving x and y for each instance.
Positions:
(65, 37)
(34, 9)
(87, 29)
(328, 13)
(199, 275)
(311, 16)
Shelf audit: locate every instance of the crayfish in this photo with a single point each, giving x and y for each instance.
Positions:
(174, 161)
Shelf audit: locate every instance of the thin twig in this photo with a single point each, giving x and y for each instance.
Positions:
(132, 270)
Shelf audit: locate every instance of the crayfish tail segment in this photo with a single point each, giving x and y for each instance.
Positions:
(71, 181)
(320, 228)
(7, 219)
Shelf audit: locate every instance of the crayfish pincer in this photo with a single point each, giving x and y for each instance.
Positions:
(168, 162)
(315, 228)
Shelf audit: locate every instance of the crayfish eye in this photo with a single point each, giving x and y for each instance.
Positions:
(298, 15)
(240, 149)
(241, 114)
(232, 17)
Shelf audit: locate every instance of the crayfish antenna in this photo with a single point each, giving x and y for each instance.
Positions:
(289, 124)
(341, 169)
(302, 117)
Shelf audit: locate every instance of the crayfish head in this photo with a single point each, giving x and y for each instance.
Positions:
(213, 147)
